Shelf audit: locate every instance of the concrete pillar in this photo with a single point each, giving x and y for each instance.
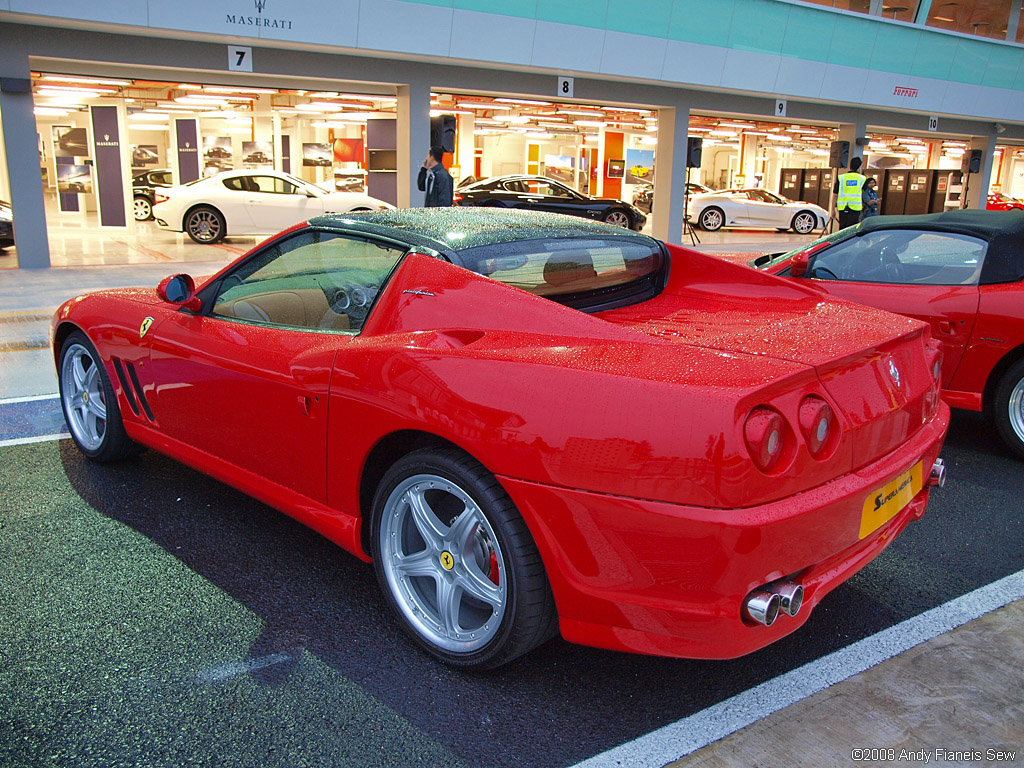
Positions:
(465, 151)
(670, 178)
(977, 183)
(413, 140)
(20, 147)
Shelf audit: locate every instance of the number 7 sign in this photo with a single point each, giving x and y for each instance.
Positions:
(239, 58)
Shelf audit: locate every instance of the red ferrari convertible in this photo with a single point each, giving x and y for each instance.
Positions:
(960, 271)
(530, 423)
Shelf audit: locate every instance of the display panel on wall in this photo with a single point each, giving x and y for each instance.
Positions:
(258, 153)
(145, 154)
(70, 142)
(560, 167)
(616, 169)
(349, 151)
(217, 154)
(316, 154)
(74, 179)
(639, 166)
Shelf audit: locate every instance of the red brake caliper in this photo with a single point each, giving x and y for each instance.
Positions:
(494, 567)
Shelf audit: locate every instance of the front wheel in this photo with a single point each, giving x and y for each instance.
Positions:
(618, 219)
(1008, 408)
(456, 561)
(88, 401)
(205, 225)
(804, 223)
(712, 219)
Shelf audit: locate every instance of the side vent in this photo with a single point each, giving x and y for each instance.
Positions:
(132, 391)
(139, 391)
(128, 393)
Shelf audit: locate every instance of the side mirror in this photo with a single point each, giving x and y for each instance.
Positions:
(798, 265)
(180, 290)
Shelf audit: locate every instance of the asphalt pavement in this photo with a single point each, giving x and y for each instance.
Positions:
(150, 615)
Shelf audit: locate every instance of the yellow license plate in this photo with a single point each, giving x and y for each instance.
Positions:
(882, 505)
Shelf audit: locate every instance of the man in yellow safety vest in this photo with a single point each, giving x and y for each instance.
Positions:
(849, 194)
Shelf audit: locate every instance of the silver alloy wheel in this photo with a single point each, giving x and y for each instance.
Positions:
(82, 390)
(617, 219)
(203, 226)
(143, 210)
(443, 563)
(1015, 409)
(804, 223)
(712, 219)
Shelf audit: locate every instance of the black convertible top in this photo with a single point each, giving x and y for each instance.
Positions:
(455, 229)
(1004, 231)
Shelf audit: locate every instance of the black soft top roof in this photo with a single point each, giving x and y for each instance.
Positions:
(454, 229)
(1004, 231)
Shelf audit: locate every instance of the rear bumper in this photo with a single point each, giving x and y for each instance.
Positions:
(670, 580)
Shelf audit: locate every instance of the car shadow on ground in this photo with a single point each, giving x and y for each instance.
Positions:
(542, 709)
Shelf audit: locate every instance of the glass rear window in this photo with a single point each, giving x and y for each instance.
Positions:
(583, 273)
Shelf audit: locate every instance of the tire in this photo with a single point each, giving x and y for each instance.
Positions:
(89, 404)
(205, 225)
(804, 223)
(143, 208)
(480, 564)
(618, 218)
(1008, 408)
(712, 219)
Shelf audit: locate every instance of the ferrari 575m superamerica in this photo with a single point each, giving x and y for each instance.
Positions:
(530, 423)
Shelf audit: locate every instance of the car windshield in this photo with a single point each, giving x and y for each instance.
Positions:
(770, 259)
(588, 274)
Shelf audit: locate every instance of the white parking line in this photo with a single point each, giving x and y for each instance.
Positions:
(30, 399)
(700, 729)
(36, 439)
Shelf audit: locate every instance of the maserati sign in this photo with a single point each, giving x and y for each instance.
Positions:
(259, 20)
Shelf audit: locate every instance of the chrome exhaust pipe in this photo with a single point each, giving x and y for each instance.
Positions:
(938, 474)
(791, 596)
(762, 606)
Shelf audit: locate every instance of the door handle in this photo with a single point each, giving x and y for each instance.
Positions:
(946, 327)
(306, 403)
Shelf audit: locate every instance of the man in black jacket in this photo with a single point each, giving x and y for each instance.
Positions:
(435, 180)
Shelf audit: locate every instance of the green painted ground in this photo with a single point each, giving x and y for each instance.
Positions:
(113, 652)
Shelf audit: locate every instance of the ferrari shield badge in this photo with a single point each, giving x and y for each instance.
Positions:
(144, 328)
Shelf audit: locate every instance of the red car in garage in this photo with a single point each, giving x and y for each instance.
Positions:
(997, 201)
(530, 423)
(961, 272)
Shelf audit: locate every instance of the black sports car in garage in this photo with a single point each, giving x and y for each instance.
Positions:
(6, 225)
(538, 193)
(143, 185)
(643, 196)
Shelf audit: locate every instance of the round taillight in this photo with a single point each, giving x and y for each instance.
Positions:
(765, 434)
(817, 422)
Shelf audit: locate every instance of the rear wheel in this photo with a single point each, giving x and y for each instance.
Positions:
(205, 225)
(143, 209)
(88, 401)
(1008, 408)
(712, 219)
(456, 561)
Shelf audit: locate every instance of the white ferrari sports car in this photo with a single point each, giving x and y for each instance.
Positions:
(253, 202)
(754, 208)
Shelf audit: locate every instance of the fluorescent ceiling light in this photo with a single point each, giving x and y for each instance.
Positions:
(149, 116)
(51, 112)
(525, 101)
(482, 105)
(87, 80)
(147, 127)
(223, 89)
(588, 112)
(592, 123)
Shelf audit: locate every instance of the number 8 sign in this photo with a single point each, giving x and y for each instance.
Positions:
(565, 87)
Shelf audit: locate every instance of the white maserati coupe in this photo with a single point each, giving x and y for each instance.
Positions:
(254, 202)
(754, 208)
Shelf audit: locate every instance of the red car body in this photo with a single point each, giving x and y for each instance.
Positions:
(1000, 202)
(979, 318)
(621, 435)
